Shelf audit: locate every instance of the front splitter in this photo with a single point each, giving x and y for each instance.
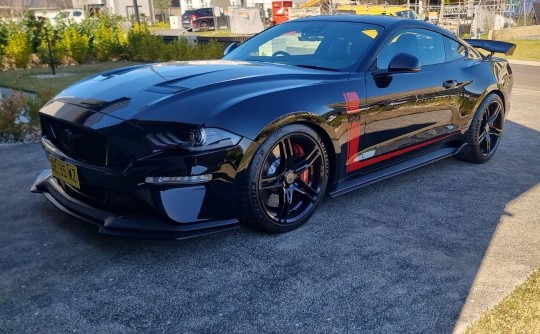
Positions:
(136, 226)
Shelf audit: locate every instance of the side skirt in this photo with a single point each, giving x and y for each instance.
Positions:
(396, 169)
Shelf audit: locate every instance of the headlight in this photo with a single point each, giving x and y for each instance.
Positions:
(200, 139)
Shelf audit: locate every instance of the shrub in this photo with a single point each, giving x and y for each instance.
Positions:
(19, 116)
(180, 50)
(76, 44)
(19, 49)
(183, 50)
(213, 50)
(143, 45)
(12, 116)
(108, 40)
(4, 36)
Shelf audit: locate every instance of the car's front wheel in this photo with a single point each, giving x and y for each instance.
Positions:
(484, 134)
(286, 180)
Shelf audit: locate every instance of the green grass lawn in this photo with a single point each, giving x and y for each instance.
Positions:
(525, 50)
(517, 313)
(26, 79)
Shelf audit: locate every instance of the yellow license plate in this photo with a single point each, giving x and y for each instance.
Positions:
(65, 172)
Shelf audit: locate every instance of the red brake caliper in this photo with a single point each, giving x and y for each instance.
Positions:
(298, 153)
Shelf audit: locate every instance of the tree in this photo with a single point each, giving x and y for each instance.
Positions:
(162, 5)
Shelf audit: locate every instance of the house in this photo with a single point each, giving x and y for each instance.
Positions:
(126, 8)
(47, 8)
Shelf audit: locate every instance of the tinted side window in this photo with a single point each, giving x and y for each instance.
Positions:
(427, 46)
(456, 50)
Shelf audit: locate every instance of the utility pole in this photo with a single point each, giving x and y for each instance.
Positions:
(136, 11)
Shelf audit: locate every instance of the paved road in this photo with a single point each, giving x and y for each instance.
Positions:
(514, 249)
(406, 255)
(527, 77)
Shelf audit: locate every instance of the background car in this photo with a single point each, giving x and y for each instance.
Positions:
(198, 19)
(69, 15)
(314, 106)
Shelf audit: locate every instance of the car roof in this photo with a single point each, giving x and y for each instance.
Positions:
(385, 21)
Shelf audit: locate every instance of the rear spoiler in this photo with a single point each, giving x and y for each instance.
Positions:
(492, 46)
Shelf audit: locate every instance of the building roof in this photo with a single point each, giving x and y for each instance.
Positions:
(37, 4)
(50, 4)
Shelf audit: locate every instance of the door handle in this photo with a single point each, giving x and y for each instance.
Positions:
(450, 84)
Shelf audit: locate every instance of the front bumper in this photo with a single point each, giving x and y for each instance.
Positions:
(132, 225)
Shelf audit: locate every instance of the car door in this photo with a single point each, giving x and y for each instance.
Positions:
(407, 113)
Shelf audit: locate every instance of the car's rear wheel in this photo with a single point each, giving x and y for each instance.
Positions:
(484, 134)
(203, 25)
(286, 180)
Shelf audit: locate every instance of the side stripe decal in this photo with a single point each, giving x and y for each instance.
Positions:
(352, 103)
(389, 155)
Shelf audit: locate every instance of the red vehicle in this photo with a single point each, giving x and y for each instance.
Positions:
(198, 19)
(280, 11)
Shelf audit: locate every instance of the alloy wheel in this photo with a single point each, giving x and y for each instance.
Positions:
(490, 129)
(291, 178)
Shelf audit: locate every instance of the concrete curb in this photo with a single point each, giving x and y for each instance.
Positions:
(524, 62)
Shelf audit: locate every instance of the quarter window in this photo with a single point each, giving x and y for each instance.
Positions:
(457, 50)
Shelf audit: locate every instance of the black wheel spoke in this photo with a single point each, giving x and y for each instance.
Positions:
(284, 204)
(306, 190)
(286, 150)
(493, 117)
(272, 182)
(488, 143)
(495, 131)
(304, 164)
(482, 136)
(495, 134)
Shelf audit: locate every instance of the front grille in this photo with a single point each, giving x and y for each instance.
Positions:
(82, 144)
(115, 202)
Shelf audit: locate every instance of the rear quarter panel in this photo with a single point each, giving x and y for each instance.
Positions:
(481, 77)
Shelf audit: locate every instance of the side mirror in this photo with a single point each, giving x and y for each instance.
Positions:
(230, 48)
(404, 63)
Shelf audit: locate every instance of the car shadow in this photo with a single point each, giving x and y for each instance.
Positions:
(397, 256)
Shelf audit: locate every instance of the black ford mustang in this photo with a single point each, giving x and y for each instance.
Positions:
(314, 106)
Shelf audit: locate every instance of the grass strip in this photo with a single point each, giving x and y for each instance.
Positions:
(26, 79)
(525, 50)
(517, 313)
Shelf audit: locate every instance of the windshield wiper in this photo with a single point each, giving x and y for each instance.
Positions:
(318, 67)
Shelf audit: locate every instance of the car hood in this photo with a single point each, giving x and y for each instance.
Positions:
(186, 92)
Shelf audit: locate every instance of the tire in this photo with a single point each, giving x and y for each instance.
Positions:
(285, 181)
(485, 132)
(203, 26)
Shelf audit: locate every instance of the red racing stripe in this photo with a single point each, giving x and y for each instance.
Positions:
(352, 103)
(387, 156)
